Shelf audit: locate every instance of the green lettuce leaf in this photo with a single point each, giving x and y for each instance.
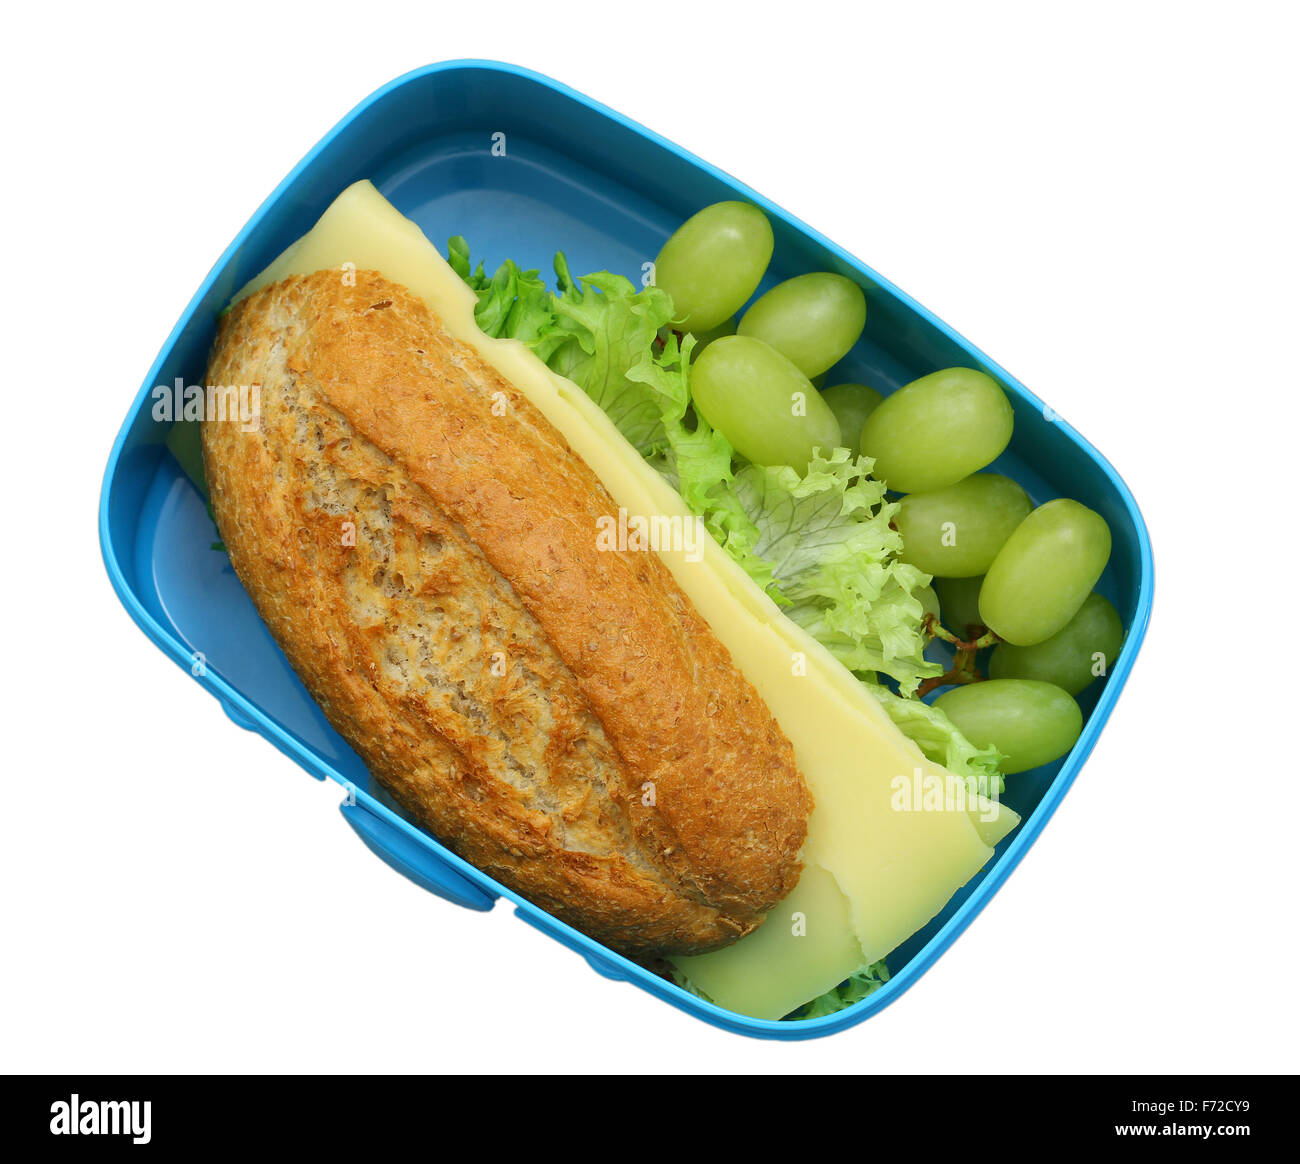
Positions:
(829, 557)
(458, 260)
(609, 327)
(513, 303)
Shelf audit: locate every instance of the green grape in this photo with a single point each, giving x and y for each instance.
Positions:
(1043, 573)
(812, 320)
(956, 532)
(936, 430)
(713, 262)
(959, 600)
(852, 404)
(762, 403)
(1081, 651)
(704, 338)
(1029, 722)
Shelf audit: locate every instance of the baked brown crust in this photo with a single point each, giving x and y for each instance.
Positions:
(558, 714)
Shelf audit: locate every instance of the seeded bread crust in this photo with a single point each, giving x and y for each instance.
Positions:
(421, 543)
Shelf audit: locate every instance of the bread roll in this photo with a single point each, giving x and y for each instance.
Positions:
(422, 544)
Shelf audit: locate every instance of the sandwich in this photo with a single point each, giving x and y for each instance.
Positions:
(515, 606)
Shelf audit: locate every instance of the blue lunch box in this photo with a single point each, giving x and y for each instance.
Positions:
(570, 175)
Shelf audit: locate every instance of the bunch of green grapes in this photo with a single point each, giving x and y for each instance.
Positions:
(752, 378)
(1009, 576)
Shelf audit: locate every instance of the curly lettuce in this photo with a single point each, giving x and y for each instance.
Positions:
(593, 331)
(829, 557)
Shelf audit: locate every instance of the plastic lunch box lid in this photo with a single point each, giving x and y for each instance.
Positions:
(430, 865)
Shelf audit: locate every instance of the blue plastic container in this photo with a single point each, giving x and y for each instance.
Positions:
(573, 176)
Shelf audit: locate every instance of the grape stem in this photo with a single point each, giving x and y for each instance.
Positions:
(959, 673)
(976, 643)
(963, 669)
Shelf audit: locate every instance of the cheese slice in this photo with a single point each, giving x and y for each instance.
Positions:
(893, 862)
(806, 947)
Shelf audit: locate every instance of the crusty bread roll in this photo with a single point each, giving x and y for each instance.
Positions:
(557, 714)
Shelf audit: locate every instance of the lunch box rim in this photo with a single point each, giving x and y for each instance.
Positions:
(427, 862)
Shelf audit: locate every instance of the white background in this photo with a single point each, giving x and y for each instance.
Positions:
(1104, 201)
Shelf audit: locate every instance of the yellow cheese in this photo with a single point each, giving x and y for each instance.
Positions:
(804, 948)
(895, 867)
(993, 820)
